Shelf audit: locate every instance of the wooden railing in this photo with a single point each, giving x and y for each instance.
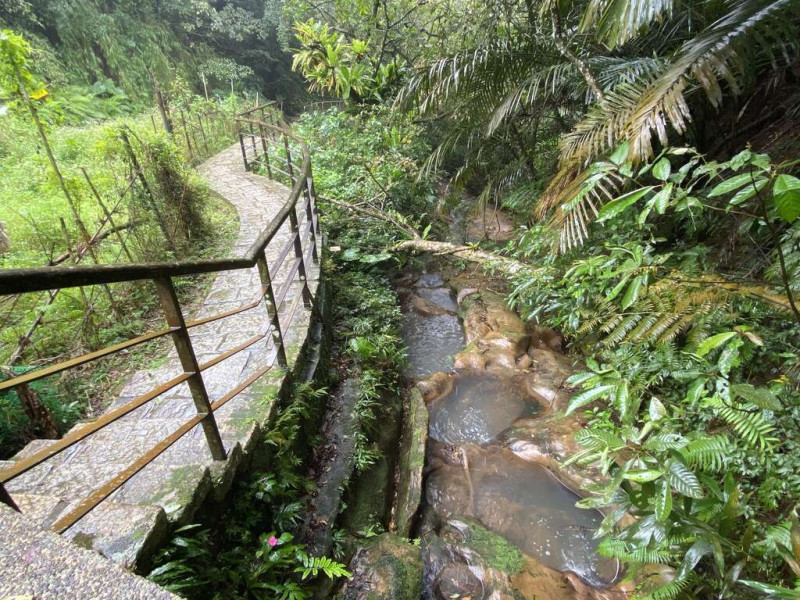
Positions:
(302, 244)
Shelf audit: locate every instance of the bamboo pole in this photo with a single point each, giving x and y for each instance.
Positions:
(108, 215)
(126, 142)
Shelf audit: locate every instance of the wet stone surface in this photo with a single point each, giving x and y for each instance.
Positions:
(526, 505)
(478, 409)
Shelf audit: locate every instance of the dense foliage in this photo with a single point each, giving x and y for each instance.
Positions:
(675, 271)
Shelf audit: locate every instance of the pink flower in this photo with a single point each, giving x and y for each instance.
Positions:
(273, 541)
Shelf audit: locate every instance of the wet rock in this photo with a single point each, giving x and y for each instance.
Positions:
(472, 360)
(544, 337)
(525, 504)
(430, 280)
(462, 295)
(492, 224)
(411, 462)
(549, 442)
(448, 491)
(435, 386)
(524, 362)
(496, 335)
(439, 454)
(425, 307)
(458, 581)
(385, 568)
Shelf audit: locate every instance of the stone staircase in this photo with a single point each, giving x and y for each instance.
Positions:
(130, 524)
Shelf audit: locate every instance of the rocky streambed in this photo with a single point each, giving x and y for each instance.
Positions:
(480, 478)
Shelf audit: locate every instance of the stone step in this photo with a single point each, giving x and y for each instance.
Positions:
(40, 509)
(120, 531)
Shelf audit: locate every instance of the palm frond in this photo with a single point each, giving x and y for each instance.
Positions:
(618, 21)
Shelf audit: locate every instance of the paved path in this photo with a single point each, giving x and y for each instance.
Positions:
(128, 524)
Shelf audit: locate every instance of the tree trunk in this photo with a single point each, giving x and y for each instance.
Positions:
(42, 422)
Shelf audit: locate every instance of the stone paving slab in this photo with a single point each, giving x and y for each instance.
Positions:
(169, 490)
(42, 565)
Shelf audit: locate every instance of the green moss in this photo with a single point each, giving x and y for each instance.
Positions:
(498, 552)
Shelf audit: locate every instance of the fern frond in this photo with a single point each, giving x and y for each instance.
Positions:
(746, 420)
(708, 454)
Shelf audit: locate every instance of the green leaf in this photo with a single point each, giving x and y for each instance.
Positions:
(663, 501)
(632, 293)
(662, 169)
(661, 199)
(657, 409)
(786, 194)
(683, 481)
(748, 192)
(588, 396)
(729, 185)
(715, 341)
(772, 591)
(693, 556)
(644, 475)
(620, 155)
(761, 397)
(616, 206)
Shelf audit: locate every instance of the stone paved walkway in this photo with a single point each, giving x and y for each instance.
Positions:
(169, 490)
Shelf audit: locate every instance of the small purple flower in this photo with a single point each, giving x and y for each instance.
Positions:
(273, 541)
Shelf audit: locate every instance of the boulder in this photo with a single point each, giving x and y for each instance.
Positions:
(384, 568)
(435, 386)
(424, 307)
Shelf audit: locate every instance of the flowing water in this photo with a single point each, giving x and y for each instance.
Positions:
(479, 408)
(519, 500)
(432, 341)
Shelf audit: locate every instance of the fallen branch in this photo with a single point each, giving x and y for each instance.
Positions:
(96, 239)
(508, 266)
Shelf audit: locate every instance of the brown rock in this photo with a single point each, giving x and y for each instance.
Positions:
(435, 386)
(472, 360)
(424, 307)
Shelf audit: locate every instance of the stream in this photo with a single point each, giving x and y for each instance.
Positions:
(470, 473)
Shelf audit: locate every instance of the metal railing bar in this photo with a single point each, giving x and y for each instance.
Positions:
(18, 281)
(284, 252)
(307, 235)
(291, 311)
(281, 171)
(113, 484)
(83, 359)
(288, 283)
(68, 440)
(217, 317)
(241, 387)
(218, 359)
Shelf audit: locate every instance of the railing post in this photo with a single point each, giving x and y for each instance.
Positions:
(272, 309)
(310, 218)
(288, 158)
(6, 498)
(263, 133)
(313, 191)
(244, 151)
(183, 344)
(253, 142)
